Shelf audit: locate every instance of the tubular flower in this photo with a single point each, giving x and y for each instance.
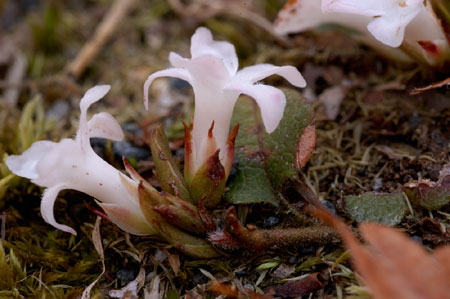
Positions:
(384, 25)
(409, 23)
(302, 15)
(73, 164)
(212, 72)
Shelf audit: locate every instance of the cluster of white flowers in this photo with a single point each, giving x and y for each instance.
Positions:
(212, 71)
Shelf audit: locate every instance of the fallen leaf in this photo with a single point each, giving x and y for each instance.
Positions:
(310, 283)
(129, 291)
(231, 291)
(97, 240)
(174, 261)
(283, 271)
(305, 147)
(392, 264)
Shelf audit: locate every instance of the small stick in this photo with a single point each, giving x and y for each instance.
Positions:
(3, 229)
(251, 238)
(110, 22)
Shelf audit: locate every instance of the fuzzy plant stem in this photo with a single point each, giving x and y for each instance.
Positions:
(257, 239)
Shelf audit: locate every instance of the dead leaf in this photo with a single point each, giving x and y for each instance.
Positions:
(174, 261)
(152, 291)
(305, 147)
(394, 266)
(283, 271)
(97, 240)
(231, 291)
(435, 85)
(310, 283)
(129, 291)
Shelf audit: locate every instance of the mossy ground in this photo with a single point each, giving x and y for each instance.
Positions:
(38, 261)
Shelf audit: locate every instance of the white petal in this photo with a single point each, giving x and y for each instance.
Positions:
(271, 102)
(258, 72)
(24, 165)
(172, 72)
(299, 16)
(129, 219)
(93, 95)
(177, 61)
(208, 72)
(391, 16)
(57, 165)
(202, 43)
(47, 203)
(366, 7)
(104, 125)
(388, 32)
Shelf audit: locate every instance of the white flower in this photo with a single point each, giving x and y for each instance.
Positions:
(406, 23)
(212, 72)
(384, 24)
(301, 15)
(73, 164)
(389, 17)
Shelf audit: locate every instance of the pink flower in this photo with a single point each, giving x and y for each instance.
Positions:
(73, 164)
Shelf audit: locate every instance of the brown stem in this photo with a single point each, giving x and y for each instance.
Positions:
(257, 239)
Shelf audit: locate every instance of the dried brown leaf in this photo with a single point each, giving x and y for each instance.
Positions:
(394, 266)
(305, 147)
(309, 284)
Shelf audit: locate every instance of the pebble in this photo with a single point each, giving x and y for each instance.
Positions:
(249, 286)
(199, 278)
(99, 146)
(329, 205)
(292, 260)
(126, 275)
(132, 128)
(179, 85)
(127, 150)
(307, 250)
(271, 222)
(378, 184)
(241, 273)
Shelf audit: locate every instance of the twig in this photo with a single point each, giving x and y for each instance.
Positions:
(110, 22)
(3, 229)
(418, 90)
(251, 238)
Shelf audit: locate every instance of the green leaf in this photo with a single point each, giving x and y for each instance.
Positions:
(283, 141)
(250, 185)
(266, 161)
(388, 209)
